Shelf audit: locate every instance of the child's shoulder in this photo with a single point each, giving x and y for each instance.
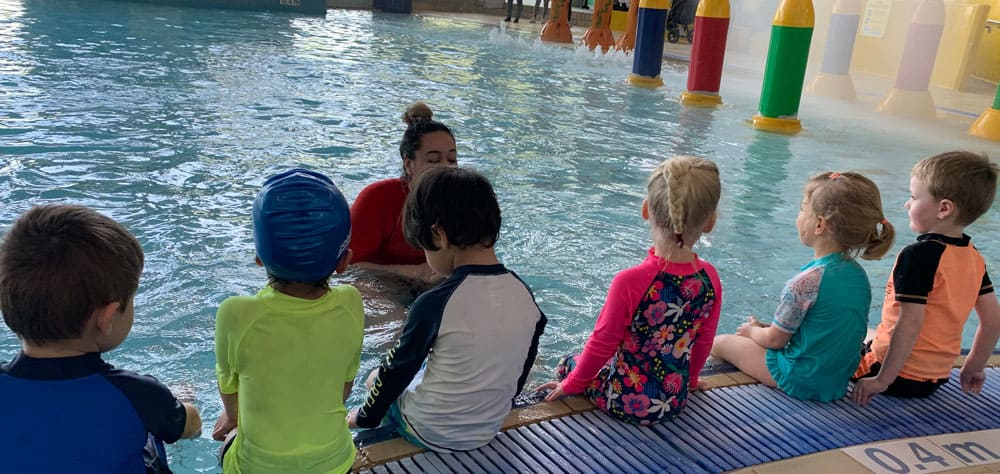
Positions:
(512, 286)
(346, 294)
(238, 312)
(148, 384)
(138, 388)
(707, 266)
(240, 302)
(345, 289)
(927, 249)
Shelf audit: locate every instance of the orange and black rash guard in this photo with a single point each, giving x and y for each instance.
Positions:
(947, 275)
(376, 225)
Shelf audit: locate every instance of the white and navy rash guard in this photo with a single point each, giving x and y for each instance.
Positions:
(478, 332)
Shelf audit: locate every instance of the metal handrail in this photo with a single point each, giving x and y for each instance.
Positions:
(990, 24)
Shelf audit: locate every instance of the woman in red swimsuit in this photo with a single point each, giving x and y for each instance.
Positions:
(377, 240)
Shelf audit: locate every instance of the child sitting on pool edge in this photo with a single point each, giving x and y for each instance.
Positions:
(68, 278)
(655, 331)
(811, 348)
(935, 284)
(467, 344)
(286, 357)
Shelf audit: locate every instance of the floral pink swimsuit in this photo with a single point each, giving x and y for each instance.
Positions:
(650, 341)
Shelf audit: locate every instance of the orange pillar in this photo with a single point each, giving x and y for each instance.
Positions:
(627, 42)
(556, 29)
(599, 33)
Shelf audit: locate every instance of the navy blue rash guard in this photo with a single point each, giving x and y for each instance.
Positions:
(81, 415)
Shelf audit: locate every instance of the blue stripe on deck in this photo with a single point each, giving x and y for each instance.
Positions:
(719, 430)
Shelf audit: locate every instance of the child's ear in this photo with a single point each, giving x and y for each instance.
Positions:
(104, 316)
(645, 209)
(821, 225)
(256, 260)
(439, 236)
(710, 224)
(345, 260)
(946, 209)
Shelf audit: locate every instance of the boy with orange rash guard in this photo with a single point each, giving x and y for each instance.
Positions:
(935, 284)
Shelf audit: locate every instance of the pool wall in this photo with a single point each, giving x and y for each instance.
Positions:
(311, 7)
(456, 6)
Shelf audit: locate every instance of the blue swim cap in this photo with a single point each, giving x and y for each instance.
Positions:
(301, 225)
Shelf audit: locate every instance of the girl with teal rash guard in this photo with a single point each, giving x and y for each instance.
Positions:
(287, 356)
(811, 348)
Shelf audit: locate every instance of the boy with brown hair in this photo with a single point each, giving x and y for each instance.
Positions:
(469, 343)
(68, 278)
(934, 285)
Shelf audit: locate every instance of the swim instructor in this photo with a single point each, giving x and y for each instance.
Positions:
(377, 240)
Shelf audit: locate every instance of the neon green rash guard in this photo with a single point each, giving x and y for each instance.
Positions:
(288, 359)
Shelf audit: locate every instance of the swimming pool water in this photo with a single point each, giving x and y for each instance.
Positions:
(169, 119)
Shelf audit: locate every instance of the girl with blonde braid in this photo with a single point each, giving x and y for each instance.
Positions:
(656, 328)
(811, 348)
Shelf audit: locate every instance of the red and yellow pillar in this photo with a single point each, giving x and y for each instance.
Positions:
(711, 26)
(791, 33)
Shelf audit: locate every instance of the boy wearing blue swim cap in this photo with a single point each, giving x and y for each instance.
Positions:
(286, 357)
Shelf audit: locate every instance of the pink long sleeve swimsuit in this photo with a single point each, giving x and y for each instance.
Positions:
(650, 341)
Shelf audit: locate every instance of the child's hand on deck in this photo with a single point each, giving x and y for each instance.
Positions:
(866, 389)
(972, 381)
(554, 388)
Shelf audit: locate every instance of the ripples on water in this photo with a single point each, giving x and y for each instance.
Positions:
(169, 119)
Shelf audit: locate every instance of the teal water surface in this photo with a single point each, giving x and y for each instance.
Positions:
(169, 119)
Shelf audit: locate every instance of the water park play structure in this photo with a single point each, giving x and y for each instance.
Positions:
(901, 39)
(789, 53)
